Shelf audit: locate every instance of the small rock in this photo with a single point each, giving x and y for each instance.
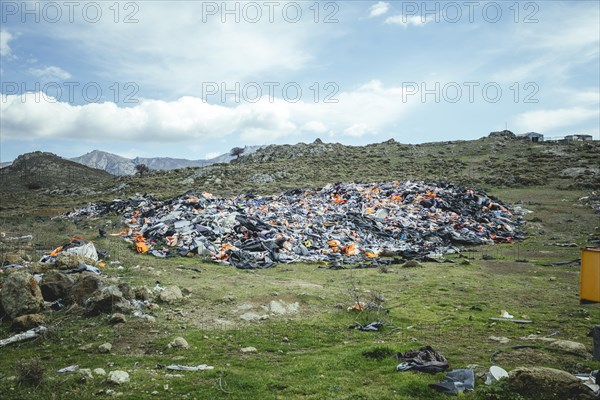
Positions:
(500, 339)
(186, 291)
(127, 291)
(14, 258)
(27, 322)
(252, 316)
(179, 342)
(105, 348)
(143, 293)
(110, 392)
(86, 347)
(149, 318)
(568, 345)
(117, 318)
(86, 374)
(228, 298)
(170, 295)
(248, 350)
(552, 278)
(118, 377)
(99, 371)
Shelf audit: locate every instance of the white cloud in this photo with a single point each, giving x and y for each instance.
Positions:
(551, 120)
(357, 130)
(315, 126)
(367, 110)
(405, 21)
(536, 51)
(5, 37)
(50, 73)
(378, 9)
(170, 63)
(212, 154)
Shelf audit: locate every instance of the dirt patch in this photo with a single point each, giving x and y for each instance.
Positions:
(274, 308)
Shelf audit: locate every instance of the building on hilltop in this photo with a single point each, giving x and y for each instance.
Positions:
(578, 138)
(532, 136)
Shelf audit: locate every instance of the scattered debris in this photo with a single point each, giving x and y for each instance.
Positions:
(357, 222)
(516, 321)
(70, 368)
(495, 374)
(456, 381)
(373, 326)
(30, 334)
(425, 359)
(201, 367)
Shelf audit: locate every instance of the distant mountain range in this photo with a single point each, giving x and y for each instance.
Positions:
(118, 165)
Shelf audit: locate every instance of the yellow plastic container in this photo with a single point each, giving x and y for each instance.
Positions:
(590, 275)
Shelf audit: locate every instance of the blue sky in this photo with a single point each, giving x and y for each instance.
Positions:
(193, 79)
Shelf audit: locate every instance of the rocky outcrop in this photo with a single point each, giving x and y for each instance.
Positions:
(21, 295)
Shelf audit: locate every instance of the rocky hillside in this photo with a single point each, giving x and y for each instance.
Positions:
(122, 166)
(495, 161)
(108, 162)
(41, 170)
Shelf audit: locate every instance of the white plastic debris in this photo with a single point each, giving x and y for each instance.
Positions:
(496, 373)
(30, 334)
(201, 367)
(70, 368)
(87, 250)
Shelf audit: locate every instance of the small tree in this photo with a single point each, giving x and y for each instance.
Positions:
(237, 152)
(142, 169)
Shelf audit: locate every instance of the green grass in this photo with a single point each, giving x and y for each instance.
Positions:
(445, 305)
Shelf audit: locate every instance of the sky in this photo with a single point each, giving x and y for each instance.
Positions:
(192, 79)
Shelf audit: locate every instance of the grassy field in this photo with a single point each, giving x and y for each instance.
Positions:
(305, 348)
(308, 350)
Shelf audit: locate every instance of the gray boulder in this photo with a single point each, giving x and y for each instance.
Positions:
(21, 295)
(71, 261)
(107, 300)
(170, 295)
(547, 383)
(56, 285)
(87, 284)
(118, 377)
